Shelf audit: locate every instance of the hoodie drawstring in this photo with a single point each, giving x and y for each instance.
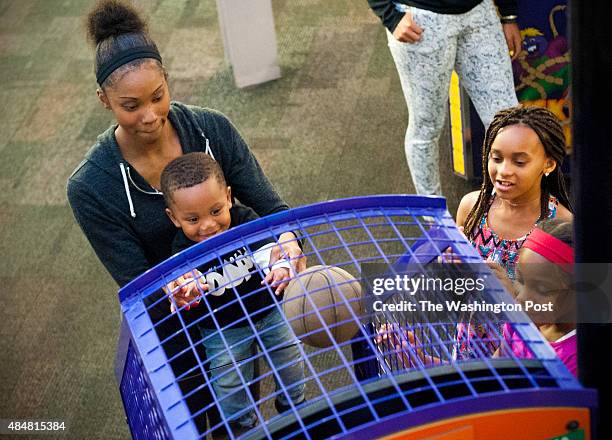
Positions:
(126, 184)
(207, 150)
(127, 190)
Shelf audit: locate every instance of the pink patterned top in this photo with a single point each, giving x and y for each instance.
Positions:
(474, 340)
(500, 250)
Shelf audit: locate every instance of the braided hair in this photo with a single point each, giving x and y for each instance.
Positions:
(548, 128)
(114, 26)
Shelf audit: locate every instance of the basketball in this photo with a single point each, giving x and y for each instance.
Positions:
(328, 289)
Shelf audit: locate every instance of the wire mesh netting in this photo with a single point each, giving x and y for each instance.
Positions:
(240, 360)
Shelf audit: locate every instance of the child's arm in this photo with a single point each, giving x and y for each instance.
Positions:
(278, 272)
(405, 344)
(506, 345)
(186, 290)
(288, 247)
(465, 206)
(278, 278)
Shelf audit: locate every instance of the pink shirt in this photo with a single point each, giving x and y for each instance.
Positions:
(565, 347)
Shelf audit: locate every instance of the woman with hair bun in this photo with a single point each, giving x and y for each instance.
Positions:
(115, 193)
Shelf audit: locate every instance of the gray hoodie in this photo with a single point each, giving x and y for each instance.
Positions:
(124, 218)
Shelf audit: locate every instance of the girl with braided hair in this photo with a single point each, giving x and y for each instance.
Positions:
(523, 151)
(523, 184)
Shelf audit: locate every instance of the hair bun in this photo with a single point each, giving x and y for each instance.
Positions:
(111, 18)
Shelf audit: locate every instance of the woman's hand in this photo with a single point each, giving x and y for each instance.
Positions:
(513, 38)
(289, 249)
(407, 31)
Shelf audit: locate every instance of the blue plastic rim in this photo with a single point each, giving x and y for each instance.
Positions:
(351, 385)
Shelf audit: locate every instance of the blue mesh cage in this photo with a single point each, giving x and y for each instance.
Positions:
(140, 403)
(367, 385)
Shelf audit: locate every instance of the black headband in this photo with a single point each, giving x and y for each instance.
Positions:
(125, 57)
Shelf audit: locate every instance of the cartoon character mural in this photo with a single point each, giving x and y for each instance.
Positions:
(542, 69)
(541, 78)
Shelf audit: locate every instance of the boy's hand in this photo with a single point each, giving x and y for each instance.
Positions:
(278, 278)
(289, 249)
(185, 289)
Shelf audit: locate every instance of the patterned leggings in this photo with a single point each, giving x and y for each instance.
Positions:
(473, 44)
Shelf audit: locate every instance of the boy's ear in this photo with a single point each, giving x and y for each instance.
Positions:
(229, 195)
(103, 99)
(172, 218)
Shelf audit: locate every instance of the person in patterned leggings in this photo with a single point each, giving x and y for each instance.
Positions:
(430, 38)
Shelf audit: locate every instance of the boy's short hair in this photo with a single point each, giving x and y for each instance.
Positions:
(187, 171)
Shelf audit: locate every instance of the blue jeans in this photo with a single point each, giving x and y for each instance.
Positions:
(225, 362)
